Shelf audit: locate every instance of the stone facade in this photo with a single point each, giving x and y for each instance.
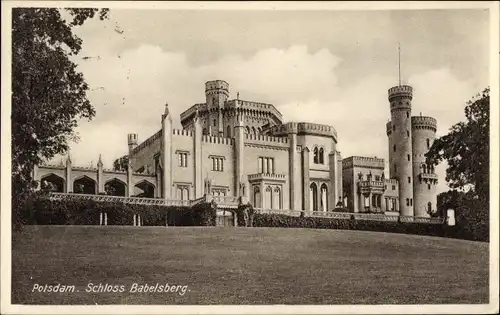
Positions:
(243, 149)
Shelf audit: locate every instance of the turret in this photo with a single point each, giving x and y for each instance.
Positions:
(132, 142)
(400, 152)
(423, 132)
(216, 93)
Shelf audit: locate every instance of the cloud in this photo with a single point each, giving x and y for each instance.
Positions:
(131, 88)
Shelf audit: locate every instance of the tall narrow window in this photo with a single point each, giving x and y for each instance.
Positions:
(315, 152)
(429, 186)
(407, 201)
(321, 156)
(217, 164)
(409, 180)
(428, 143)
(228, 132)
(408, 157)
(256, 197)
(407, 115)
(260, 165)
(411, 201)
(429, 207)
(394, 148)
(314, 197)
(269, 198)
(215, 122)
(407, 133)
(183, 162)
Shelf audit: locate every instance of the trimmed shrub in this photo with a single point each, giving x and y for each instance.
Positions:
(284, 221)
(41, 210)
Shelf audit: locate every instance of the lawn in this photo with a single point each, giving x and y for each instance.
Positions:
(247, 266)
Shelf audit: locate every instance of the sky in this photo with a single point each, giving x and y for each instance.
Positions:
(328, 67)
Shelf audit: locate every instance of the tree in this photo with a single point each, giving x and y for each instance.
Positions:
(466, 149)
(49, 95)
(121, 164)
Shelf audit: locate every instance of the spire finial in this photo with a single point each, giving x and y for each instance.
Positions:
(99, 163)
(399, 63)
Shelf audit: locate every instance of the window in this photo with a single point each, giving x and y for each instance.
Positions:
(393, 187)
(228, 132)
(182, 192)
(217, 163)
(394, 148)
(407, 201)
(215, 122)
(407, 115)
(411, 201)
(205, 131)
(256, 197)
(393, 127)
(428, 143)
(183, 159)
(409, 179)
(407, 133)
(377, 178)
(408, 157)
(316, 155)
(321, 156)
(429, 186)
(266, 165)
(429, 207)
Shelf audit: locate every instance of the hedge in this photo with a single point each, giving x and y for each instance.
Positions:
(41, 210)
(284, 221)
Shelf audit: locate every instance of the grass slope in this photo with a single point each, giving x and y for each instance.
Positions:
(247, 266)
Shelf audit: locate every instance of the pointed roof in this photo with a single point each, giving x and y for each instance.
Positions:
(99, 163)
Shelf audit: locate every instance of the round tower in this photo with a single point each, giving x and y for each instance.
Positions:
(400, 154)
(216, 93)
(132, 142)
(423, 133)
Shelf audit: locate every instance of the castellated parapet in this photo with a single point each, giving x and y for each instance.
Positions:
(424, 122)
(400, 92)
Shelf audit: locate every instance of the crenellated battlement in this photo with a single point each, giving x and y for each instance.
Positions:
(303, 128)
(217, 140)
(264, 138)
(216, 85)
(148, 142)
(423, 122)
(399, 92)
(182, 132)
(363, 161)
(388, 128)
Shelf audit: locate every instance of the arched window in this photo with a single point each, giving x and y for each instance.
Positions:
(276, 198)
(314, 197)
(228, 132)
(428, 143)
(321, 156)
(315, 152)
(324, 197)
(268, 198)
(424, 168)
(256, 197)
(254, 131)
(429, 207)
(247, 129)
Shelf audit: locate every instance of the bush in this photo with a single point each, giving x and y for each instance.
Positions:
(39, 209)
(284, 221)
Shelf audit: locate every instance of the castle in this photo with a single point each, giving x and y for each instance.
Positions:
(232, 148)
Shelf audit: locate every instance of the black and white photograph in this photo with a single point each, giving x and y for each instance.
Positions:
(250, 157)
